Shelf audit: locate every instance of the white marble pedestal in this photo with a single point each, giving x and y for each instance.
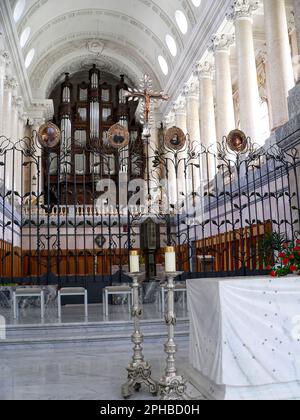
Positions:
(245, 338)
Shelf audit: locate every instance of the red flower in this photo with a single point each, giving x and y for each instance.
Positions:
(269, 267)
(273, 274)
(293, 268)
(282, 255)
(298, 242)
(286, 261)
(291, 257)
(296, 249)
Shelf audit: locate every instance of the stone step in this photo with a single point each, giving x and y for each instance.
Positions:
(33, 335)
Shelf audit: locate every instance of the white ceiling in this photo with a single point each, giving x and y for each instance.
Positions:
(121, 36)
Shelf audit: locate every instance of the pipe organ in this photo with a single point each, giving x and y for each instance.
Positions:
(86, 112)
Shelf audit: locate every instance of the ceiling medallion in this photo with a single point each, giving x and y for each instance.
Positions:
(237, 141)
(95, 47)
(49, 135)
(118, 136)
(175, 139)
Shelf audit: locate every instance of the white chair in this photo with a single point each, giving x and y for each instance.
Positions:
(72, 291)
(179, 288)
(116, 290)
(28, 292)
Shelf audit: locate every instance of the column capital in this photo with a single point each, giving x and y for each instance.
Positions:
(221, 42)
(11, 83)
(205, 70)
(4, 58)
(191, 90)
(180, 106)
(169, 120)
(291, 22)
(242, 9)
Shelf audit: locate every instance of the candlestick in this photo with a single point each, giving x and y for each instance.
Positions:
(172, 386)
(139, 371)
(134, 262)
(170, 259)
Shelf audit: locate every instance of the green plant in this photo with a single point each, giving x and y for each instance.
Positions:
(270, 243)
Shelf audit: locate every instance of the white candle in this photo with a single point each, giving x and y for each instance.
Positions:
(170, 260)
(134, 262)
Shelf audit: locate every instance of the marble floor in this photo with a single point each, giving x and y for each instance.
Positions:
(81, 373)
(85, 369)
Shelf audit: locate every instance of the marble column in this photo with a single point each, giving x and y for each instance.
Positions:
(224, 95)
(154, 173)
(297, 24)
(279, 58)
(18, 135)
(37, 169)
(207, 119)
(192, 95)
(294, 45)
(241, 15)
(4, 60)
(10, 85)
(181, 120)
(180, 115)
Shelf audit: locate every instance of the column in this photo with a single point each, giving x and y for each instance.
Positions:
(181, 120)
(191, 93)
(4, 60)
(10, 85)
(18, 135)
(294, 44)
(180, 115)
(207, 119)
(279, 58)
(37, 181)
(247, 73)
(154, 173)
(224, 95)
(297, 24)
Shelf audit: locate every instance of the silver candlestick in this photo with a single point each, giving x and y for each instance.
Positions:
(172, 386)
(139, 371)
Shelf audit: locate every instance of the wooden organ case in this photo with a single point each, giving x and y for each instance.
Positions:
(86, 113)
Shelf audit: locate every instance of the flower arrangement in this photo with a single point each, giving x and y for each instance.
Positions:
(289, 261)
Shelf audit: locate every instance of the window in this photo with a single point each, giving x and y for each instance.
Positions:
(29, 58)
(19, 9)
(163, 65)
(24, 37)
(171, 43)
(181, 21)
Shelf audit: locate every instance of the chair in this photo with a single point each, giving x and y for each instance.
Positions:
(28, 292)
(116, 290)
(73, 291)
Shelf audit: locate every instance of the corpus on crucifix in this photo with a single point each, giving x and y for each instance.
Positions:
(147, 95)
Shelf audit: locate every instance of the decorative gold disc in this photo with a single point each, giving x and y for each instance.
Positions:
(237, 141)
(175, 138)
(118, 136)
(49, 135)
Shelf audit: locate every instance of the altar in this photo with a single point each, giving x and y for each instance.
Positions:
(245, 337)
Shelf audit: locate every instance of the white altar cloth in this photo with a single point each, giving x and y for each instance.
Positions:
(245, 337)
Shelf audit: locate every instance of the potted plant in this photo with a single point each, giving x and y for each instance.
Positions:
(289, 261)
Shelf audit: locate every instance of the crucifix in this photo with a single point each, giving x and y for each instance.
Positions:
(147, 95)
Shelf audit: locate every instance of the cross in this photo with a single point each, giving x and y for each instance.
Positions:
(146, 94)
